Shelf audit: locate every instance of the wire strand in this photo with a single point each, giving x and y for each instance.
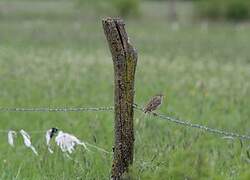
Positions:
(197, 126)
(111, 108)
(17, 130)
(48, 109)
(98, 148)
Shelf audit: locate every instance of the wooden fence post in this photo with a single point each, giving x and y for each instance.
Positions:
(124, 58)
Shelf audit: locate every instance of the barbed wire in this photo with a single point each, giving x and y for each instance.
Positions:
(48, 109)
(197, 126)
(135, 106)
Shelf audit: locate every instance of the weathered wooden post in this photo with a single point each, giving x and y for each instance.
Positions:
(124, 59)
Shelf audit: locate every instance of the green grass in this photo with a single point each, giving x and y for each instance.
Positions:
(53, 56)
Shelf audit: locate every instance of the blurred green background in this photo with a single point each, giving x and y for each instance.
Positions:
(54, 54)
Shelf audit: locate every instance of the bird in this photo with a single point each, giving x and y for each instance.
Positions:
(149, 108)
(153, 104)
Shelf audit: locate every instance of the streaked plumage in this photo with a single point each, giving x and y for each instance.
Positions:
(153, 104)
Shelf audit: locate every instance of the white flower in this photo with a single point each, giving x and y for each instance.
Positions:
(48, 138)
(27, 141)
(11, 135)
(67, 142)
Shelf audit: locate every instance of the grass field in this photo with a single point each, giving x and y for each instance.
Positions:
(57, 57)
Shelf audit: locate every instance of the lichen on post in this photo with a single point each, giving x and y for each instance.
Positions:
(124, 58)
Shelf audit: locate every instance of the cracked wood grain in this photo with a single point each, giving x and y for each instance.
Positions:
(124, 58)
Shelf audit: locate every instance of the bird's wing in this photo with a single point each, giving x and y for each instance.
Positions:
(153, 103)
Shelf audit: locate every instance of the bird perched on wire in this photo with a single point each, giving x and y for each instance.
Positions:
(154, 103)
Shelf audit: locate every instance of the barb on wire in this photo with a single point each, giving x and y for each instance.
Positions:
(48, 109)
(198, 126)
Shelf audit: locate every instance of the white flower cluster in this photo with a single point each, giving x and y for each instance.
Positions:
(26, 139)
(11, 135)
(65, 141)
